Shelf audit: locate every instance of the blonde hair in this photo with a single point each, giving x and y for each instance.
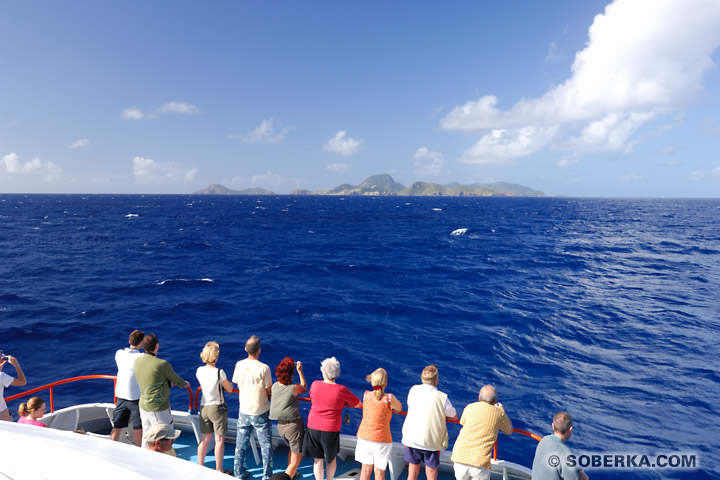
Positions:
(378, 378)
(33, 404)
(210, 352)
(429, 375)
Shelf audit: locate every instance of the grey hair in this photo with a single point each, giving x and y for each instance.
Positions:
(330, 368)
(252, 346)
(488, 394)
(562, 422)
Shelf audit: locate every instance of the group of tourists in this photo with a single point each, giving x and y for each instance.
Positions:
(424, 432)
(143, 401)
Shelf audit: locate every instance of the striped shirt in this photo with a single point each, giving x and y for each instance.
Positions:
(481, 422)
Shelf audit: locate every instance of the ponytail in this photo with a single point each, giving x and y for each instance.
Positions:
(33, 404)
(378, 379)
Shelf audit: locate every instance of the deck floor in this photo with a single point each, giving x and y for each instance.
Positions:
(186, 448)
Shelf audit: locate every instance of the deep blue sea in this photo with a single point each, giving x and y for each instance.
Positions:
(606, 308)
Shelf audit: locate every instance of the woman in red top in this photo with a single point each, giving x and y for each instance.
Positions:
(322, 435)
(374, 440)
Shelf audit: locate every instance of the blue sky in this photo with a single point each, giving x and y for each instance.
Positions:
(572, 98)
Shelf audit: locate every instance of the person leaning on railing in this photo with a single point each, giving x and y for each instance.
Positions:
(6, 380)
(213, 410)
(254, 382)
(424, 432)
(551, 455)
(285, 408)
(481, 421)
(374, 439)
(322, 435)
(154, 377)
(127, 390)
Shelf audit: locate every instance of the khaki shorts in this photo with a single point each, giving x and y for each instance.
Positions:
(293, 433)
(213, 421)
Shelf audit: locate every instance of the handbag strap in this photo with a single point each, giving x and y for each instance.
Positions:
(222, 393)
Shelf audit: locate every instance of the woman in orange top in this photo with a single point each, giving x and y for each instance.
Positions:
(374, 440)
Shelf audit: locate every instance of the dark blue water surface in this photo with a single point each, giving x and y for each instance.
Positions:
(605, 308)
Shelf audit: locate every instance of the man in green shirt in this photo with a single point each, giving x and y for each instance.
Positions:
(155, 377)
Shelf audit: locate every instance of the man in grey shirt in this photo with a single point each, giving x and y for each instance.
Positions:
(551, 456)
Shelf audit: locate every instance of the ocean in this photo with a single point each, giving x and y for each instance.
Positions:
(605, 308)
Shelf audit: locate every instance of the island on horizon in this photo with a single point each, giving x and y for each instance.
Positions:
(384, 185)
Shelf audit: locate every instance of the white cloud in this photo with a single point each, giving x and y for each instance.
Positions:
(503, 146)
(135, 113)
(146, 170)
(643, 59)
(428, 163)
(267, 178)
(267, 132)
(132, 113)
(669, 150)
(553, 54)
(190, 174)
(273, 179)
(12, 165)
(83, 142)
(179, 107)
(338, 167)
(710, 128)
(696, 175)
(343, 146)
(610, 133)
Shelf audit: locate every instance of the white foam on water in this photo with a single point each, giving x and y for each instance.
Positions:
(459, 231)
(132, 215)
(170, 280)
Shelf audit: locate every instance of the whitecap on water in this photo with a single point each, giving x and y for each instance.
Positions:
(459, 231)
(437, 209)
(173, 280)
(132, 215)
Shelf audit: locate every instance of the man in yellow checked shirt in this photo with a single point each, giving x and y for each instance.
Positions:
(481, 422)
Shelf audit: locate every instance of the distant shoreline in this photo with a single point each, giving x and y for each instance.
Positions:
(384, 185)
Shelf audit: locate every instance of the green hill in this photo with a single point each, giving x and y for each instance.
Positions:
(385, 185)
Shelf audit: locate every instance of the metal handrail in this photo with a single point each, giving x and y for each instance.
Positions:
(404, 413)
(50, 386)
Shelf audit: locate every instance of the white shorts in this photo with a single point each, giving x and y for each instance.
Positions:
(373, 453)
(466, 472)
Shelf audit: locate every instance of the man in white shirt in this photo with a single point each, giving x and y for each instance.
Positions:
(424, 431)
(6, 380)
(127, 390)
(254, 382)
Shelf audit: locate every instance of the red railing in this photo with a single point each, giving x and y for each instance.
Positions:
(50, 387)
(404, 413)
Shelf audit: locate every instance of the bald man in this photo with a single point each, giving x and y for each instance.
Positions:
(481, 423)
